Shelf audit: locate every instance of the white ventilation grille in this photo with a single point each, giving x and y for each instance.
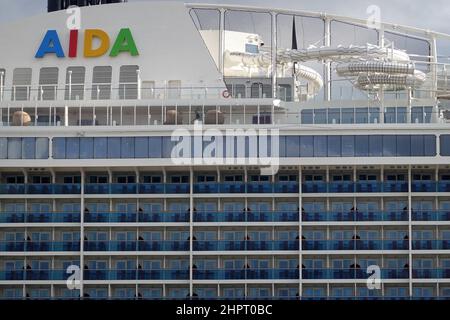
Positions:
(48, 84)
(128, 82)
(75, 83)
(101, 83)
(21, 84)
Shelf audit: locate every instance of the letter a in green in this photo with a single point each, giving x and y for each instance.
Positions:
(124, 43)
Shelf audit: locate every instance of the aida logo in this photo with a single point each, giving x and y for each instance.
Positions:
(96, 44)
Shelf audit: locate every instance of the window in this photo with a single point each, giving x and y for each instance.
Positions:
(334, 146)
(42, 151)
(375, 146)
(290, 146)
(361, 146)
(445, 145)
(362, 115)
(21, 84)
(320, 116)
(72, 148)
(114, 148)
(307, 117)
(101, 83)
(403, 146)
(28, 148)
(14, 148)
(48, 84)
(75, 83)
(87, 148)
(389, 146)
(128, 82)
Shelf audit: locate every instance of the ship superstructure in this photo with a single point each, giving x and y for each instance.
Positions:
(167, 151)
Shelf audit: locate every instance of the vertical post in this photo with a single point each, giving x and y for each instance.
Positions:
(327, 66)
(274, 54)
(300, 233)
(191, 230)
(139, 84)
(221, 40)
(82, 235)
(2, 75)
(70, 85)
(410, 231)
(434, 61)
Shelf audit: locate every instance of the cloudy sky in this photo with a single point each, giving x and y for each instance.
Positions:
(431, 14)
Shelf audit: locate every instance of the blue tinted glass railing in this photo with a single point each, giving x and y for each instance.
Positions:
(430, 215)
(33, 275)
(140, 245)
(206, 188)
(43, 217)
(431, 273)
(341, 187)
(423, 186)
(368, 186)
(12, 188)
(352, 273)
(134, 217)
(232, 187)
(123, 188)
(151, 188)
(443, 186)
(177, 188)
(246, 245)
(40, 189)
(228, 187)
(395, 186)
(355, 216)
(259, 187)
(66, 188)
(248, 273)
(430, 244)
(286, 187)
(137, 274)
(314, 187)
(355, 244)
(97, 188)
(246, 216)
(31, 246)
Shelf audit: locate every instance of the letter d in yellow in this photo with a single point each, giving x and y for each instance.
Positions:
(89, 36)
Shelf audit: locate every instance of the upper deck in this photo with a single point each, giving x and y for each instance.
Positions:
(222, 65)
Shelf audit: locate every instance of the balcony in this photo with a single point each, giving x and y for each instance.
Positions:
(319, 245)
(245, 274)
(32, 246)
(41, 217)
(141, 245)
(354, 216)
(222, 274)
(135, 217)
(245, 245)
(57, 189)
(227, 188)
(430, 244)
(136, 274)
(246, 216)
(222, 216)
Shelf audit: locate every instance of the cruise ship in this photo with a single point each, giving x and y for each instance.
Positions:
(168, 150)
